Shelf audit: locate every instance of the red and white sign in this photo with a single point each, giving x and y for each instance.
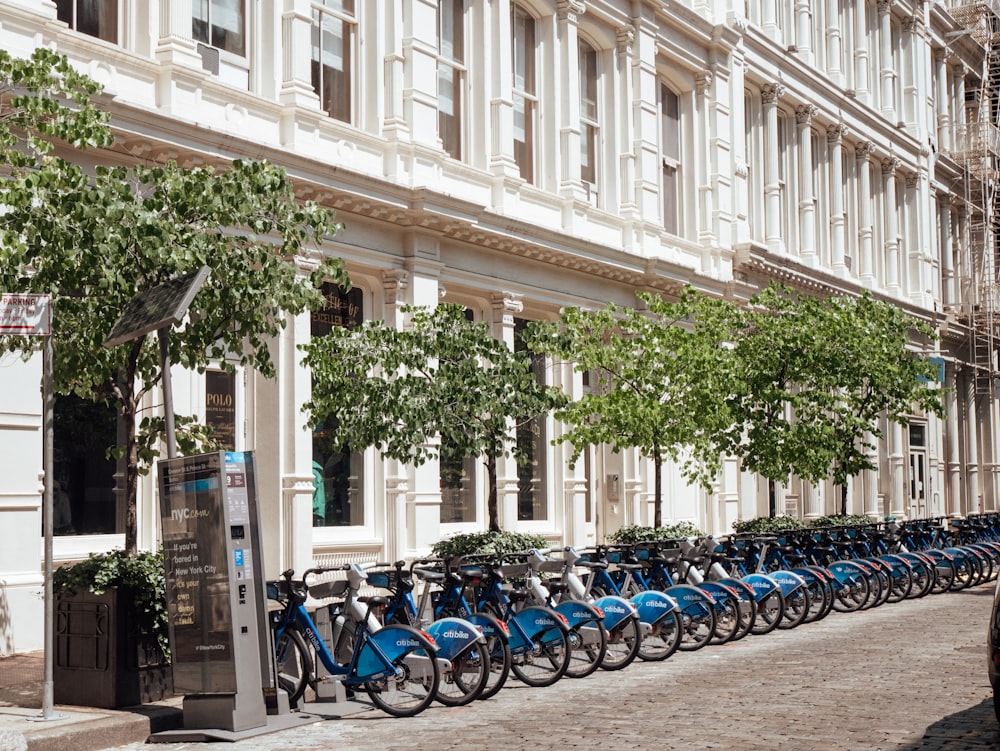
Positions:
(25, 315)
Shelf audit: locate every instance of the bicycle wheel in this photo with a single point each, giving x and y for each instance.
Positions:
(410, 691)
(796, 608)
(498, 648)
(697, 625)
(770, 611)
(851, 594)
(466, 679)
(588, 644)
(547, 660)
(944, 575)
(294, 664)
(623, 645)
(664, 639)
(727, 619)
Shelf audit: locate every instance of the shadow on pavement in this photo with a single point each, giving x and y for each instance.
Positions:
(974, 728)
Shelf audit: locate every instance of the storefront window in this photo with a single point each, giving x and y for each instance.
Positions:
(338, 475)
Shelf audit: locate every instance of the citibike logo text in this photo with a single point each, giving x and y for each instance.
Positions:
(407, 643)
(183, 514)
(454, 633)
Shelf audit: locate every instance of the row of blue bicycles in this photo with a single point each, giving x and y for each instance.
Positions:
(456, 630)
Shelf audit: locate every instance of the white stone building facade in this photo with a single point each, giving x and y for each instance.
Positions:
(518, 156)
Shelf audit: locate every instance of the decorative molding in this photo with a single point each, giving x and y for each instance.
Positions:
(395, 283)
(625, 38)
(737, 22)
(703, 80)
(884, 6)
(864, 150)
(912, 24)
(506, 305)
(569, 10)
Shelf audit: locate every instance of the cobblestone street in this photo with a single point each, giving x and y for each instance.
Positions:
(907, 676)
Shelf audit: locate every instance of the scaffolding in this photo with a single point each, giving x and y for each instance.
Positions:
(977, 149)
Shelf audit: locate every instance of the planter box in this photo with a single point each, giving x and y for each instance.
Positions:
(99, 661)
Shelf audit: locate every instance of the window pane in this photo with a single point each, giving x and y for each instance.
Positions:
(332, 49)
(96, 18)
(338, 474)
(84, 477)
(523, 57)
(227, 26)
(531, 443)
(199, 25)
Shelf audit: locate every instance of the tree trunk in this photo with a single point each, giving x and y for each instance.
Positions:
(843, 499)
(128, 417)
(772, 499)
(491, 503)
(657, 489)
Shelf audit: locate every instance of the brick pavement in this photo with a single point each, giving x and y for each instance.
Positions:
(906, 677)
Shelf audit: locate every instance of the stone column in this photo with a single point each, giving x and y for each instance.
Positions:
(887, 76)
(891, 225)
(803, 30)
(769, 19)
(567, 20)
(505, 306)
(897, 460)
(834, 43)
(943, 111)
(869, 479)
(704, 163)
(911, 67)
(501, 159)
(400, 539)
(838, 218)
(629, 151)
(772, 188)
(866, 232)
(862, 55)
(642, 113)
(296, 37)
(807, 200)
(947, 235)
(973, 500)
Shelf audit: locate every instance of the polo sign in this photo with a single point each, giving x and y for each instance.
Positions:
(25, 315)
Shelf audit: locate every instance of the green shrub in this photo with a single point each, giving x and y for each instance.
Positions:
(766, 524)
(141, 574)
(634, 533)
(841, 520)
(483, 543)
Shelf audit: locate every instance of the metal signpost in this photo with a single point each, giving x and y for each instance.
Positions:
(31, 315)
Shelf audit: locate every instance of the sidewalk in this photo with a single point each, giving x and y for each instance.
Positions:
(79, 728)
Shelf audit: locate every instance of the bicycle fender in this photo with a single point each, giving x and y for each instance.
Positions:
(577, 611)
(718, 590)
(489, 625)
(616, 609)
(689, 597)
(761, 584)
(845, 571)
(743, 590)
(537, 620)
(788, 581)
(653, 606)
(453, 636)
(388, 644)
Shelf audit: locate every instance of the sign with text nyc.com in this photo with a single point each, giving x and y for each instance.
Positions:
(25, 315)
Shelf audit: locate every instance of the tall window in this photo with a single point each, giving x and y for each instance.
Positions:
(525, 90)
(458, 481)
(338, 495)
(333, 32)
(98, 18)
(783, 154)
(451, 74)
(589, 129)
(221, 24)
(670, 127)
(532, 440)
(83, 491)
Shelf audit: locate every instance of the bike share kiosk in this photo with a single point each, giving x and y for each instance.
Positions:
(220, 641)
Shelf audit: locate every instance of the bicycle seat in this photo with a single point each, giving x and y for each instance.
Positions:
(630, 566)
(374, 601)
(595, 565)
(555, 586)
(429, 575)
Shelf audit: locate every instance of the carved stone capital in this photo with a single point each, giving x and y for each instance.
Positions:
(912, 24)
(625, 38)
(864, 150)
(506, 305)
(804, 113)
(771, 92)
(703, 80)
(836, 133)
(884, 6)
(568, 10)
(890, 165)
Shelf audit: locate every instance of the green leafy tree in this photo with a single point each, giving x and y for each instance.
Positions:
(94, 240)
(444, 375)
(662, 377)
(815, 377)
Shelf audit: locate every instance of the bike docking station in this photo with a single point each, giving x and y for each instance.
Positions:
(220, 640)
